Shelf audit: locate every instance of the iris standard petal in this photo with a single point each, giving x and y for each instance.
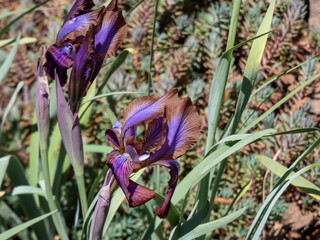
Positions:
(174, 167)
(122, 166)
(182, 129)
(78, 26)
(113, 135)
(111, 33)
(79, 7)
(82, 70)
(153, 137)
(59, 58)
(146, 108)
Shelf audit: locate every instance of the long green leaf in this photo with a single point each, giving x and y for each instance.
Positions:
(279, 103)
(21, 190)
(211, 226)
(217, 91)
(299, 182)
(17, 229)
(4, 161)
(252, 66)
(9, 59)
(16, 174)
(212, 160)
(264, 212)
(34, 154)
(9, 42)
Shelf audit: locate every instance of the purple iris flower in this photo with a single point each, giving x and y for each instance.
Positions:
(172, 128)
(87, 37)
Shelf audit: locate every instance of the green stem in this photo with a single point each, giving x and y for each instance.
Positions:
(58, 219)
(151, 83)
(82, 194)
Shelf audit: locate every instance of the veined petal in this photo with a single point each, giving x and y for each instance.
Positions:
(182, 129)
(111, 33)
(112, 6)
(153, 137)
(113, 135)
(80, 79)
(122, 166)
(59, 58)
(174, 167)
(78, 26)
(79, 7)
(146, 108)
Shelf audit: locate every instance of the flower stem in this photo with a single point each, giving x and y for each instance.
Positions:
(58, 219)
(82, 194)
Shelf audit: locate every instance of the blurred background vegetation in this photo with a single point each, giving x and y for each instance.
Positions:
(190, 37)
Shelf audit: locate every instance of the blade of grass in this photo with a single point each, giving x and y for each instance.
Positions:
(20, 190)
(216, 96)
(150, 78)
(10, 105)
(4, 161)
(107, 95)
(9, 59)
(10, 42)
(239, 195)
(279, 103)
(13, 231)
(213, 225)
(16, 174)
(300, 182)
(133, 8)
(3, 30)
(263, 213)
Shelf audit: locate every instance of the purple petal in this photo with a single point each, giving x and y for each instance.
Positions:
(174, 167)
(153, 136)
(111, 33)
(59, 59)
(78, 26)
(79, 7)
(113, 135)
(182, 130)
(70, 131)
(80, 79)
(122, 166)
(146, 108)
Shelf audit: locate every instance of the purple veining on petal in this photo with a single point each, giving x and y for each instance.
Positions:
(79, 7)
(78, 26)
(82, 69)
(111, 32)
(122, 166)
(153, 136)
(145, 109)
(182, 130)
(59, 59)
(174, 167)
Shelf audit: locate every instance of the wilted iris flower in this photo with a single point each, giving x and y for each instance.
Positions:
(173, 127)
(86, 38)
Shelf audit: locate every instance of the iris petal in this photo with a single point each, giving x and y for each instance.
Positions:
(146, 108)
(80, 79)
(113, 135)
(78, 26)
(174, 167)
(59, 58)
(79, 7)
(122, 166)
(110, 34)
(182, 130)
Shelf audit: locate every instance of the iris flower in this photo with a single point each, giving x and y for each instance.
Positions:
(87, 37)
(173, 127)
